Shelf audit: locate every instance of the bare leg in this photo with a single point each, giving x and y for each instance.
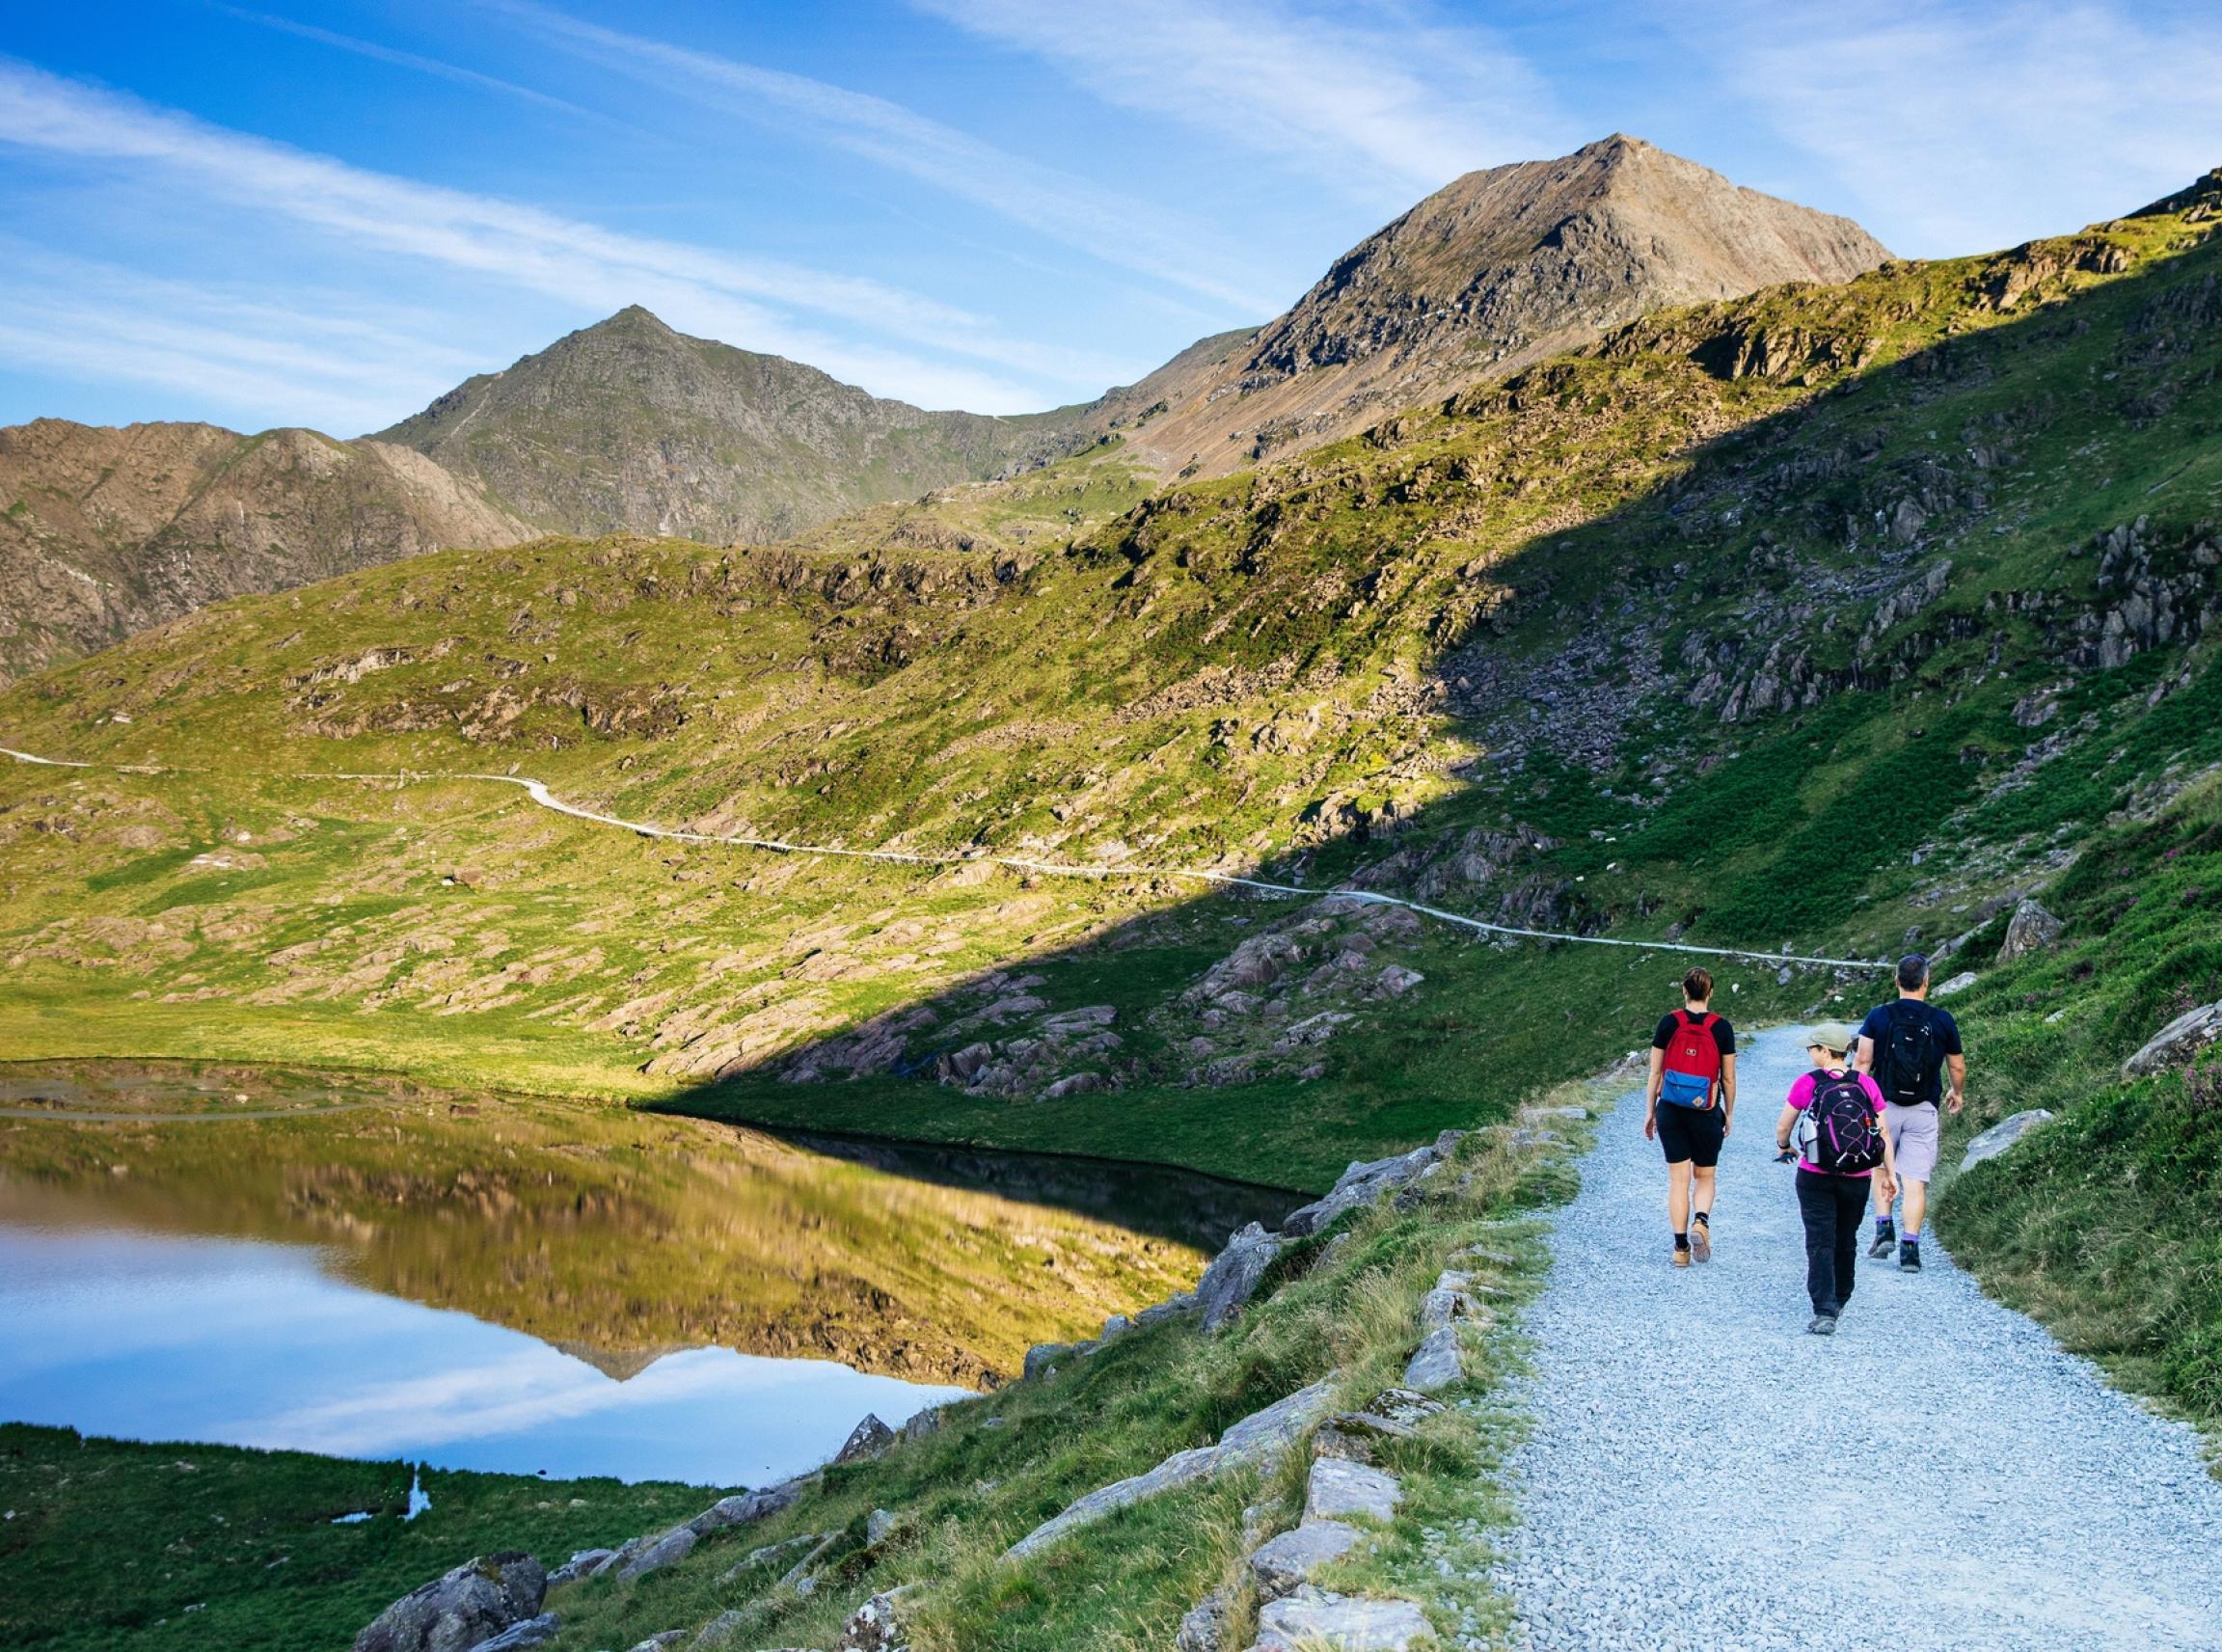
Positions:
(1881, 1204)
(1916, 1204)
(1702, 1177)
(1678, 1196)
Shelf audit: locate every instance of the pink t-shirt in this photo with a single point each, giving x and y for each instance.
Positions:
(1801, 1097)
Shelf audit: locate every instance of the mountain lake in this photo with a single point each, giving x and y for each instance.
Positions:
(361, 1265)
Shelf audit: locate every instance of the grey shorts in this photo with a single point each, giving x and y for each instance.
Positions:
(1913, 1132)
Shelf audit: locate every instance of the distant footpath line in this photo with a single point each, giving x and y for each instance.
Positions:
(538, 792)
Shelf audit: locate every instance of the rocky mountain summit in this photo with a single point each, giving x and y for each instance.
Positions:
(1492, 273)
(106, 531)
(630, 426)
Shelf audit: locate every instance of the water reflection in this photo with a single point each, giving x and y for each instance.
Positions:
(361, 1265)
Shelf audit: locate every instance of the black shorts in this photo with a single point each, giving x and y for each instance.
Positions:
(1691, 1134)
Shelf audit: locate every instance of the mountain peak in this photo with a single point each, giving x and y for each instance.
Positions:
(1530, 258)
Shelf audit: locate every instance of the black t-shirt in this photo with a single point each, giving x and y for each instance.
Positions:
(1943, 1041)
(1724, 1035)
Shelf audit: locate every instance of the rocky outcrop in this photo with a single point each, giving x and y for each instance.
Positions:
(2031, 930)
(870, 1438)
(111, 531)
(1312, 1617)
(461, 1610)
(533, 1631)
(1283, 1565)
(1236, 1273)
(1437, 1363)
(2178, 1043)
(1363, 1184)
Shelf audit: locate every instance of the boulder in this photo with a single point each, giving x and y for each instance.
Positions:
(868, 1439)
(1312, 1617)
(1205, 1627)
(1269, 1432)
(1257, 1438)
(1043, 1357)
(1959, 983)
(877, 1625)
(1362, 1183)
(533, 1631)
(1340, 1488)
(658, 1641)
(921, 1423)
(879, 1526)
(744, 1508)
(724, 1630)
(1439, 1306)
(1235, 1274)
(1182, 1468)
(657, 1553)
(1436, 1363)
(459, 1609)
(1075, 1084)
(2031, 929)
(2177, 1042)
(1284, 1564)
(1172, 1307)
(1394, 980)
(577, 1566)
(2003, 1135)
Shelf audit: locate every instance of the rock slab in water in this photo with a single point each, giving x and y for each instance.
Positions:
(2177, 1042)
(1284, 1564)
(2003, 1135)
(1436, 1363)
(1340, 1488)
(1311, 1618)
(454, 1612)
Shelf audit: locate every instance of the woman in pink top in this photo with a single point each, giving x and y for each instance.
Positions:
(1840, 1157)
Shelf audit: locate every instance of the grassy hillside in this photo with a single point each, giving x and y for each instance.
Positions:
(1829, 619)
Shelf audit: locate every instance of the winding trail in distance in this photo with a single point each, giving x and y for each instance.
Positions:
(538, 792)
(1938, 1476)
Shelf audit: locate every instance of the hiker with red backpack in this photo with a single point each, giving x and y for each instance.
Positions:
(1834, 1117)
(1689, 1107)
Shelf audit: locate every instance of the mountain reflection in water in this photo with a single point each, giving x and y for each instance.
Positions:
(168, 1248)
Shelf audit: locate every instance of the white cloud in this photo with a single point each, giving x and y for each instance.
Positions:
(1978, 124)
(80, 318)
(742, 301)
(1101, 222)
(1383, 102)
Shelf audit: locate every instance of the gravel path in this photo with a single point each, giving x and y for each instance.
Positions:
(1938, 1474)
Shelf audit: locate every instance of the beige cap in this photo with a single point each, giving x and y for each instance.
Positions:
(1831, 1036)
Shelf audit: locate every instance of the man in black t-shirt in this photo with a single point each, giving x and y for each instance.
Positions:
(1687, 1106)
(1909, 1047)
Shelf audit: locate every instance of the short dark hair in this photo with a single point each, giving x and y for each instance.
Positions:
(1912, 971)
(1698, 986)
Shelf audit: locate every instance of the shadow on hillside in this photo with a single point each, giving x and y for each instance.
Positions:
(1613, 594)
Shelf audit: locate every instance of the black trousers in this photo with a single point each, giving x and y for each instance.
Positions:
(1832, 1207)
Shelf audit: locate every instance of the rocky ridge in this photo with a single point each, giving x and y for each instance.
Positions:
(106, 531)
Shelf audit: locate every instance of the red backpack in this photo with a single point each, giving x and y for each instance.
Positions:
(1692, 1075)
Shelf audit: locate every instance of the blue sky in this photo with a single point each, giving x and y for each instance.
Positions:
(326, 215)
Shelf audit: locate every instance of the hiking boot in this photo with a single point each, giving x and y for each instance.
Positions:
(1886, 1236)
(1909, 1257)
(1702, 1241)
(1681, 1256)
(1823, 1325)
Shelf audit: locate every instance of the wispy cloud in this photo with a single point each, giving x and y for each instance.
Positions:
(743, 301)
(1385, 101)
(1980, 123)
(1129, 233)
(254, 360)
(436, 67)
